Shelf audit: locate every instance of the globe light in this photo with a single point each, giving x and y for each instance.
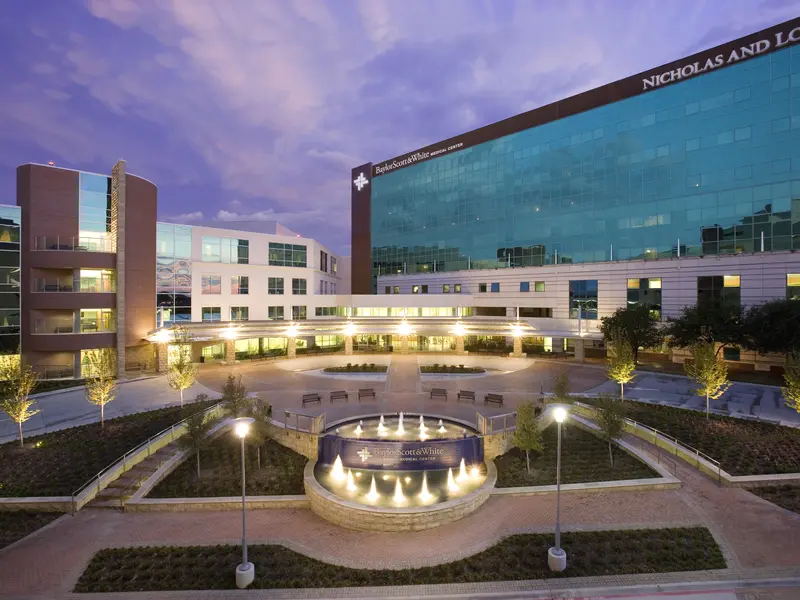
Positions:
(242, 426)
(559, 414)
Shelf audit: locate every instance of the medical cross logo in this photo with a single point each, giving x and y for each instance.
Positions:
(364, 454)
(360, 181)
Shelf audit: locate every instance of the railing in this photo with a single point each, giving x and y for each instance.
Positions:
(310, 423)
(85, 286)
(680, 448)
(53, 326)
(86, 492)
(74, 244)
(42, 284)
(486, 425)
(54, 371)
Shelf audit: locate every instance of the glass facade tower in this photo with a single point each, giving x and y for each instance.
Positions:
(705, 166)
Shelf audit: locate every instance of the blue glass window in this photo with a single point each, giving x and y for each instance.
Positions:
(496, 287)
(583, 299)
(524, 286)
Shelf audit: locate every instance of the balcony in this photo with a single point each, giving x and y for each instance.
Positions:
(89, 282)
(74, 244)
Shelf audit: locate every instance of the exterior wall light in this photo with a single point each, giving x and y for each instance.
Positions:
(404, 328)
(229, 333)
(349, 329)
(162, 336)
(516, 331)
(459, 330)
(291, 331)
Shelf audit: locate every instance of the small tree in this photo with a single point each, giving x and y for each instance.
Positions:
(561, 384)
(611, 419)
(261, 411)
(527, 435)
(18, 381)
(708, 371)
(198, 425)
(620, 364)
(182, 371)
(234, 395)
(791, 375)
(634, 323)
(101, 380)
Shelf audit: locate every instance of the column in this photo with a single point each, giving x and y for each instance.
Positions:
(404, 344)
(348, 345)
(162, 358)
(460, 345)
(230, 352)
(118, 214)
(517, 353)
(291, 348)
(579, 349)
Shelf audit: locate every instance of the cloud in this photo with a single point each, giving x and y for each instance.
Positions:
(186, 217)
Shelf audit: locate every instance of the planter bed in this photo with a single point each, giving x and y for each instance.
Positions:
(17, 524)
(584, 459)
(742, 447)
(362, 368)
(56, 464)
(518, 557)
(785, 496)
(451, 369)
(281, 472)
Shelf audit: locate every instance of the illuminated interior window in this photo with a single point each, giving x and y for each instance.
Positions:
(654, 283)
(731, 281)
(633, 284)
(792, 280)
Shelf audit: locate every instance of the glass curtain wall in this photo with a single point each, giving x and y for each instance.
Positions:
(94, 213)
(10, 218)
(173, 274)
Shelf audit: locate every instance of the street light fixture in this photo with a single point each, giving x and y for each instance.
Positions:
(245, 572)
(556, 557)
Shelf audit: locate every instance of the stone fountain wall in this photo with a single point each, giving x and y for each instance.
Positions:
(301, 442)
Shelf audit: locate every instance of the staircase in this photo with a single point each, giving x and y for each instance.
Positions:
(121, 489)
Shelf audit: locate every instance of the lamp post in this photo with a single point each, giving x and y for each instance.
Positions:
(245, 572)
(556, 557)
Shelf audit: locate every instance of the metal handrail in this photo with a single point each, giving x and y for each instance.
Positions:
(317, 424)
(485, 425)
(97, 478)
(73, 243)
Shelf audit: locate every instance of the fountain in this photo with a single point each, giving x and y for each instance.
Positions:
(462, 472)
(382, 428)
(400, 430)
(337, 472)
(422, 426)
(441, 427)
(373, 494)
(399, 498)
(451, 484)
(351, 484)
(359, 431)
(475, 472)
(424, 495)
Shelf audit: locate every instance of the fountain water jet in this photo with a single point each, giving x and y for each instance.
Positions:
(475, 472)
(424, 495)
(351, 484)
(373, 494)
(462, 472)
(422, 426)
(400, 430)
(382, 428)
(337, 472)
(451, 484)
(441, 427)
(359, 431)
(398, 498)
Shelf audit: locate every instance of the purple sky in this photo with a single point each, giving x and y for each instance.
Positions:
(258, 109)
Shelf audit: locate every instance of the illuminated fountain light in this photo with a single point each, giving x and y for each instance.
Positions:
(337, 472)
(359, 431)
(351, 484)
(475, 472)
(382, 432)
(373, 495)
(424, 495)
(441, 427)
(423, 436)
(400, 430)
(462, 472)
(452, 486)
(422, 426)
(399, 497)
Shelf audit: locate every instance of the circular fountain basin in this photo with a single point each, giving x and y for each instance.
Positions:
(398, 473)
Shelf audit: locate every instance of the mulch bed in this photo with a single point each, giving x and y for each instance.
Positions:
(58, 463)
(742, 447)
(584, 458)
(15, 525)
(281, 472)
(362, 368)
(786, 496)
(456, 369)
(518, 557)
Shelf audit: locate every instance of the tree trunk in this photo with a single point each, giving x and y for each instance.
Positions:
(21, 443)
(198, 465)
(102, 416)
(610, 454)
(258, 454)
(621, 391)
(181, 397)
(528, 460)
(706, 405)
(635, 348)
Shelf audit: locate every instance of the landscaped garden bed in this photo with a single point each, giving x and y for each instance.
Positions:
(742, 447)
(454, 369)
(584, 458)
(58, 463)
(518, 557)
(15, 525)
(786, 496)
(281, 472)
(356, 368)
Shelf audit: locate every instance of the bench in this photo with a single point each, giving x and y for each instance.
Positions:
(465, 396)
(339, 395)
(493, 399)
(439, 393)
(309, 398)
(366, 393)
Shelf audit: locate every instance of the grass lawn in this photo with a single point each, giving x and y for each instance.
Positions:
(743, 447)
(15, 525)
(281, 472)
(56, 464)
(517, 557)
(584, 458)
(786, 496)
